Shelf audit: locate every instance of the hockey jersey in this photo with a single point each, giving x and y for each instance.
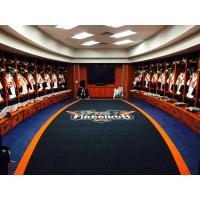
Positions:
(11, 86)
(1, 88)
(192, 83)
(47, 80)
(23, 84)
(55, 81)
(147, 79)
(192, 80)
(180, 82)
(61, 80)
(170, 81)
(137, 79)
(154, 78)
(40, 82)
(181, 78)
(161, 80)
(32, 83)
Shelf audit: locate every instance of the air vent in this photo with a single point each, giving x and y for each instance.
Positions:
(104, 43)
(107, 33)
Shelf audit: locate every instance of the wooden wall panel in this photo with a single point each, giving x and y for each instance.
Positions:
(70, 78)
(121, 73)
(131, 75)
(76, 70)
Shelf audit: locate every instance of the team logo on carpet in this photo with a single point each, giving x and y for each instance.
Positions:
(101, 117)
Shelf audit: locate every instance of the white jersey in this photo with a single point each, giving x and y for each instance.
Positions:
(162, 80)
(55, 81)
(154, 78)
(62, 78)
(181, 78)
(22, 83)
(170, 81)
(1, 87)
(47, 79)
(40, 81)
(137, 79)
(180, 82)
(31, 80)
(11, 85)
(192, 83)
(147, 79)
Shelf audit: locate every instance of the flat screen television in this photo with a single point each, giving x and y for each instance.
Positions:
(101, 74)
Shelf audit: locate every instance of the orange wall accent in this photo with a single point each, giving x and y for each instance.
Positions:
(121, 74)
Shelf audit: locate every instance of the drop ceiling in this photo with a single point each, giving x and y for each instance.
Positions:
(101, 33)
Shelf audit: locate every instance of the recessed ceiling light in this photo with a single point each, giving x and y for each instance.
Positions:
(67, 27)
(89, 43)
(115, 26)
(82, 35)
(123, 42)
(123, 34)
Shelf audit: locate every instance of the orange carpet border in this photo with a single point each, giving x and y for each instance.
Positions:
(29, 151)
(173, 149)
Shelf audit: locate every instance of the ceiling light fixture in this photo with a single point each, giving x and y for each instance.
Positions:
(67, 27)
(123, 42)
(90, 43)
(82, 35)
(115, 26)
(123, 34)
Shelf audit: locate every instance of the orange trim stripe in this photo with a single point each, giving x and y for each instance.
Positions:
(29, 151)
(175, 153)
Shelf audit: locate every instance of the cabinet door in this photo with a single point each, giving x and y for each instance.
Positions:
(17, 118)
(5, 127)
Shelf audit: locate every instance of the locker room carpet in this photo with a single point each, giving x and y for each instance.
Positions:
(86, 147)
(19, 137)
(186, 140)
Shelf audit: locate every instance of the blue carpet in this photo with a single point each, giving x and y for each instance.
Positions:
(185, 139)
(19, 138)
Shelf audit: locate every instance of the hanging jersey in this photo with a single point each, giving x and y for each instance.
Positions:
(47, 81)
(32, 83)
(23, 84)
(137, 79)
(181, 78)
(11, 86)
(180, 82)
(1, 88)
(40, 82)
(161, 80)
(55, 81)
(192, 83)
(154, 78)
(170, 81)
(147, 79)
(61, 80)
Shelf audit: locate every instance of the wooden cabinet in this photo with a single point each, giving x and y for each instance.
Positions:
(23, 113)
(28, 112)
(5, 126)
(191, 120)
(17, 118)
(44, 103)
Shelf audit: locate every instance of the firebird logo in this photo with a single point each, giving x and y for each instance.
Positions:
(101, 117)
